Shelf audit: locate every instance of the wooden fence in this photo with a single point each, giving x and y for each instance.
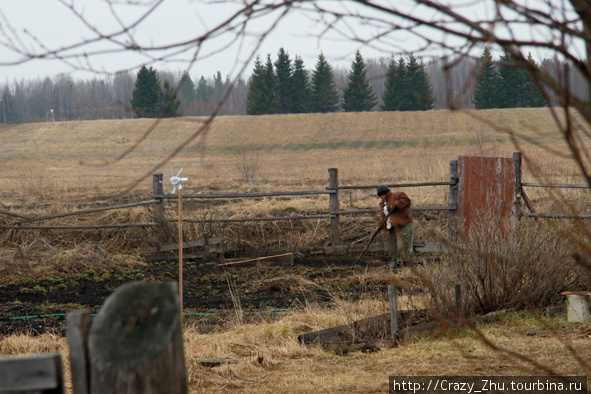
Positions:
(334, 212)
(333, 191)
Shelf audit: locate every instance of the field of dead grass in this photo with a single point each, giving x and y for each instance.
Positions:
(266, 358)
(52, 167)
(83, 159)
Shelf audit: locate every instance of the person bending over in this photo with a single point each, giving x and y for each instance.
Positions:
(395, 206)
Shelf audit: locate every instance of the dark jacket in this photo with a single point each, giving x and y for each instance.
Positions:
(399, 207)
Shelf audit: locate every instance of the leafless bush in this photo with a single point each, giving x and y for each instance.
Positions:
(527, 267)
(484, 143)
(247, 165)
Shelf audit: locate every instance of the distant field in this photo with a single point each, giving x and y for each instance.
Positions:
(367, 148)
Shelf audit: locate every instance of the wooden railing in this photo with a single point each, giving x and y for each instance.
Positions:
(333, 191)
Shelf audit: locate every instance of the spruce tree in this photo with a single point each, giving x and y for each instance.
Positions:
(512, 83)
(261, 98)
(325, 97)
(284, 73)
(219, 87)
(394, 85)
(533, 96)
(486, 92)
(169, 103)
(419, 86)
(8, 110)
(147, 94)
(301, 94)
(404, 88)
(358, 96)
(203, 91)
(187, 92)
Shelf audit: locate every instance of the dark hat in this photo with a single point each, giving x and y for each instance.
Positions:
(382, 189)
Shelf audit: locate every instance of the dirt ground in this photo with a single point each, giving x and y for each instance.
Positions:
(211, 292)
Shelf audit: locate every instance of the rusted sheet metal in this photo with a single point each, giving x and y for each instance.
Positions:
(486, 187)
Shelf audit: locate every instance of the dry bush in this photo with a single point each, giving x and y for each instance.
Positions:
(483, 141)
(527, 267)
(247, 165)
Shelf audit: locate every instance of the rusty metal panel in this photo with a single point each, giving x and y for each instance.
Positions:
(486, 186)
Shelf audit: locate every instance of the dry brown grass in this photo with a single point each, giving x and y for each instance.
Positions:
(53, 167)
(269, 359)
(78, 158)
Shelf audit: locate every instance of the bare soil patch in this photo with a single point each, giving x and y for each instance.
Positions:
(211, 293)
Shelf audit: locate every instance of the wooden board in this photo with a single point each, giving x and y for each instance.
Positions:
(41, 373)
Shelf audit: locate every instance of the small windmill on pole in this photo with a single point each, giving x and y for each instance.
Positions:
(176, 182)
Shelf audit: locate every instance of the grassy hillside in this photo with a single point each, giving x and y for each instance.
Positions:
(286, 149)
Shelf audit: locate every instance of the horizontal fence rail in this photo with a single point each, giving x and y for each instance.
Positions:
(79, 227)
(244, 195)
(565, 186)
(259, 219)
(333, 189)
(557, 216)
(93, 210)
(394, 186)
(534, 214)
(159, 197)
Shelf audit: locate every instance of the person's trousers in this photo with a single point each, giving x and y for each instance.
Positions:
(400, 242)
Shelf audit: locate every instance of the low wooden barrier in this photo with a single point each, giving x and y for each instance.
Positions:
(164, 228)
(40, 374)
(333, 191)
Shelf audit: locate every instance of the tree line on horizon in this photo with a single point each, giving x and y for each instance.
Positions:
(285, 86)
(454, 84)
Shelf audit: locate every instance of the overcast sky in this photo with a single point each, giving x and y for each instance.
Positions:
(34, 24)
(44, 25)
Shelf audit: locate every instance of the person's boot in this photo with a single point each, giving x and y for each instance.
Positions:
(394, 263)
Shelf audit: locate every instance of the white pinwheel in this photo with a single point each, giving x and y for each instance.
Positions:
(175, 180)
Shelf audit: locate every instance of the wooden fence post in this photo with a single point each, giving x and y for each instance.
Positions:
(135, 343)
(517, 165)
(163, 228)
(393, 311)
(459, 298)
(453, 200)
(77, 330)
(334, 207)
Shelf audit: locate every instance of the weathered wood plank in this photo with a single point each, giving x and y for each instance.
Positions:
(564, 186)
(215, 363)
(334, 207)
(397, 185)
(80, 227)
(243, 195)
(78, 327)
(393, 311)
(136, 344)
(186, 256)
(186, 245)
(101, 209)
(332, 338)
(40, 373)
(433, 329)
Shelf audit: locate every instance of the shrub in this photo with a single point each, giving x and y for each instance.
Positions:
(526, 266)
